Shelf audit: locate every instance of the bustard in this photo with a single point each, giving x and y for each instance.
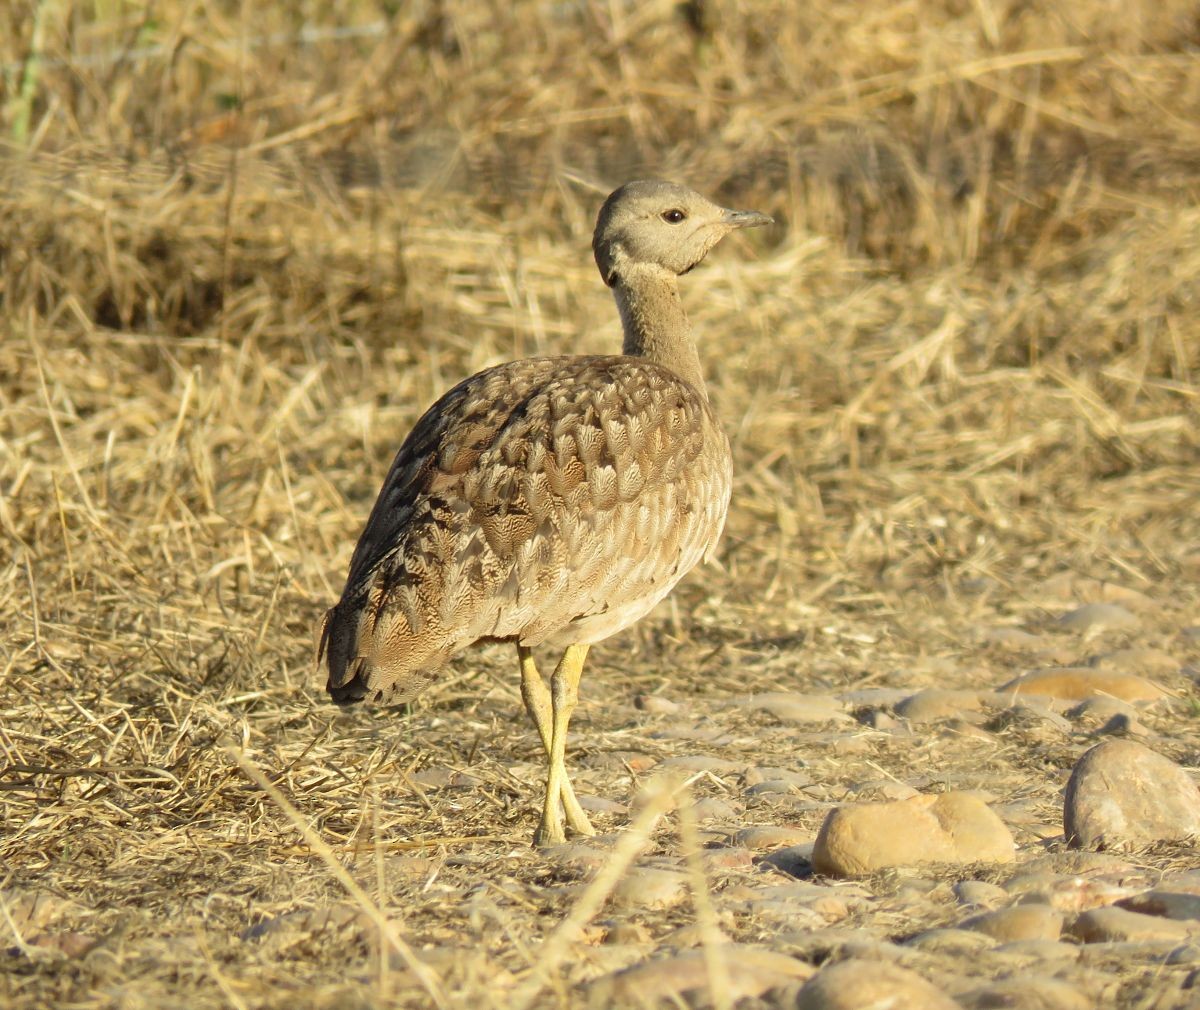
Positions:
(549, 501)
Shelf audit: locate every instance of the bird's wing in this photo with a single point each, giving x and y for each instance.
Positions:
(533, 494)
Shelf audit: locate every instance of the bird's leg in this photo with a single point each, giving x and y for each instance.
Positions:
(536, 696)
(564, 693)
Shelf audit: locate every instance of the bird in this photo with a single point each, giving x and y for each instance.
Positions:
(549, 502)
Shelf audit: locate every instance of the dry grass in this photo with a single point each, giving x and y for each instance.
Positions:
(961, 379)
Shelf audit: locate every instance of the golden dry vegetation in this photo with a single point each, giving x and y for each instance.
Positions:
(239, 255)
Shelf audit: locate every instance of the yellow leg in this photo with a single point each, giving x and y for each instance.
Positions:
(564, 693)
(539, 705)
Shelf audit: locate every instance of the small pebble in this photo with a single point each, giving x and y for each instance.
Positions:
(882, 789)
(1032, 712)
(691, 935)
(1121, 793)
(801, 891)
(946, 828)
(701, 763)
(874, 697)
(1185, 953)
(756, 776)
(726, 858)
(878, 719)
(1169, 904)
(1143, 660)
(1122, 725)
(749, 972)
(1012, 639)
(440, 777)
(980, 892)
(1099, 617)
(1112, 924)
(656, 704)
(1074, 587)
(857, 984)
(782, 914)
(769, 836)
(797, 708)
(952, 942)
(1098, 710)
(650, 887)
(917, 887)
(859, 943)
(851, 744)
(714, 808)
(934, 704)
(1063, 892)
(602, 805)
(771, 787)
(795, 860)
(577, 856)
(1028, 994)
(1048, 951)
(1020, 922)
(1104, 954)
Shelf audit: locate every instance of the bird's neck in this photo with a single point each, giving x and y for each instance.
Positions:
(656, 327)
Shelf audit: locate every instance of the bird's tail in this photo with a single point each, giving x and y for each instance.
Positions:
(339, 649)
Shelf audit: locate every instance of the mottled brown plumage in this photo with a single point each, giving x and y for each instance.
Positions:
(549, 501)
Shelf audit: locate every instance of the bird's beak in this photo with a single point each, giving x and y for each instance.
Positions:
(745, 218)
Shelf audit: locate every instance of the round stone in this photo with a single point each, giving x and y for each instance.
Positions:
(1117, 925)
(935, 704)
(1099, 617)
(650, 887)
(1021, 922)
(1075, 683)
(855, 984)
(1027, 993)
(980, 892)
(1123, 794)
(951, 827)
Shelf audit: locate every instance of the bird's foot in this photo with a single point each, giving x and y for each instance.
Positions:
(549, 832)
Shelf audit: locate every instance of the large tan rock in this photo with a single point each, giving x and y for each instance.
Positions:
(1074, 683)
(1122, 794)
(947, 828)
(856, 984)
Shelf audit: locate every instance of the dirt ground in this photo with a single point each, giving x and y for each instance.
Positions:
(239, 256)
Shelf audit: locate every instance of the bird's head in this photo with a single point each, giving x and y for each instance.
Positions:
(655, 224)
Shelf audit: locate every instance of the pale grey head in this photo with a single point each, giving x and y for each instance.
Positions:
(657, 224)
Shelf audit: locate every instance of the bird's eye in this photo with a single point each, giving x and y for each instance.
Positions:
(673, 216)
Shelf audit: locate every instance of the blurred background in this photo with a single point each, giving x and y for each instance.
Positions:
(242, 247)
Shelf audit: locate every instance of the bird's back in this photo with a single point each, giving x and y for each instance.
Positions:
(548, 499)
